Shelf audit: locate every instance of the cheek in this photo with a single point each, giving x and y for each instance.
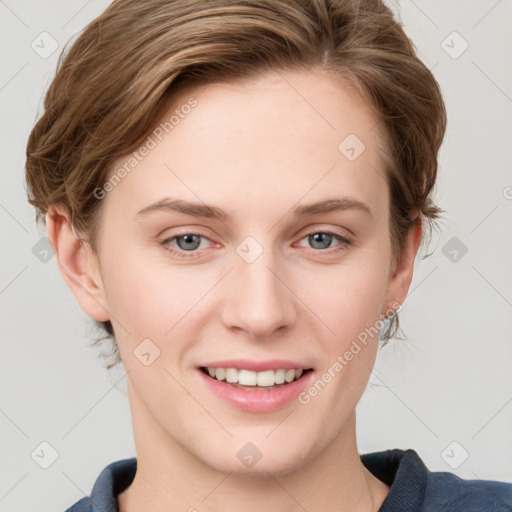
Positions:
(346, 297)
(153, 299)
(350, 305)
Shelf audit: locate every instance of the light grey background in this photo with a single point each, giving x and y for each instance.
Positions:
(450, 382)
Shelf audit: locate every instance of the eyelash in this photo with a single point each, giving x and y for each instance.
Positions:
(192, 254)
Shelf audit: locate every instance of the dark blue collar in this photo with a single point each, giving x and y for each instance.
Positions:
(413, 488)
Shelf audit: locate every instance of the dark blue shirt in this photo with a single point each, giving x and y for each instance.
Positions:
(413, 488)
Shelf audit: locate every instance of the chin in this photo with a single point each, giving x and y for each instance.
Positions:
(250, 461)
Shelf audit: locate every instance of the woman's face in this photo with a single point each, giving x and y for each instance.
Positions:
(251, 284)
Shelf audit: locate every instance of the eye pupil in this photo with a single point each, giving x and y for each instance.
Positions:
(314, 238)
(189, 239)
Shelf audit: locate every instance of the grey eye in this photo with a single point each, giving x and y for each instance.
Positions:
(191, 242)
(323, 239)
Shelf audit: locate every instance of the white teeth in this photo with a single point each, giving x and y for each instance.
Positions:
(231, 375)
(244, 377)
(279, 376)
(290, 375)
(265, 378)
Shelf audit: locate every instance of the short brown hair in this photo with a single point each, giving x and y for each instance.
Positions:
(111, 85)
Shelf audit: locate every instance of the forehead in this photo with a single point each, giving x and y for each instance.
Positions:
(274, 139)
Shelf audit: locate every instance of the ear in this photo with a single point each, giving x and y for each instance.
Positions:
(77, 263)
(401, 275)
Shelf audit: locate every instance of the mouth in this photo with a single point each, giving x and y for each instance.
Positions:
(257, 381)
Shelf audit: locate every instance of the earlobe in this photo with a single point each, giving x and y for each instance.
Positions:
(402, 274)
(77, 264)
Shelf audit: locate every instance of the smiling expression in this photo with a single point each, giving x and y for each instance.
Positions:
(246, 233)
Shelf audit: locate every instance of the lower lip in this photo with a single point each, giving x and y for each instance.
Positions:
(257, 400)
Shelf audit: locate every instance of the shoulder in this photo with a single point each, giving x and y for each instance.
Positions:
(447, 491)
(414, 488)
(112, 480)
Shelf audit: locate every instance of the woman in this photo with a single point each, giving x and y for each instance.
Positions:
(236, 191)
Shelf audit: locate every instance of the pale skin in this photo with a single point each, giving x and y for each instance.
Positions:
(256, 150)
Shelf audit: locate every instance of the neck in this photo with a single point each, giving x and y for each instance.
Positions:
(169, 477)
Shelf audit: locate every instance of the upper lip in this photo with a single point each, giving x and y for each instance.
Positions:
(257, 366)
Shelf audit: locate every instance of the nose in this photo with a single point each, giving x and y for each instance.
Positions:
(259, 300)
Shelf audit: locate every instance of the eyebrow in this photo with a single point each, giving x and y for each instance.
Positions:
(213, 212)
